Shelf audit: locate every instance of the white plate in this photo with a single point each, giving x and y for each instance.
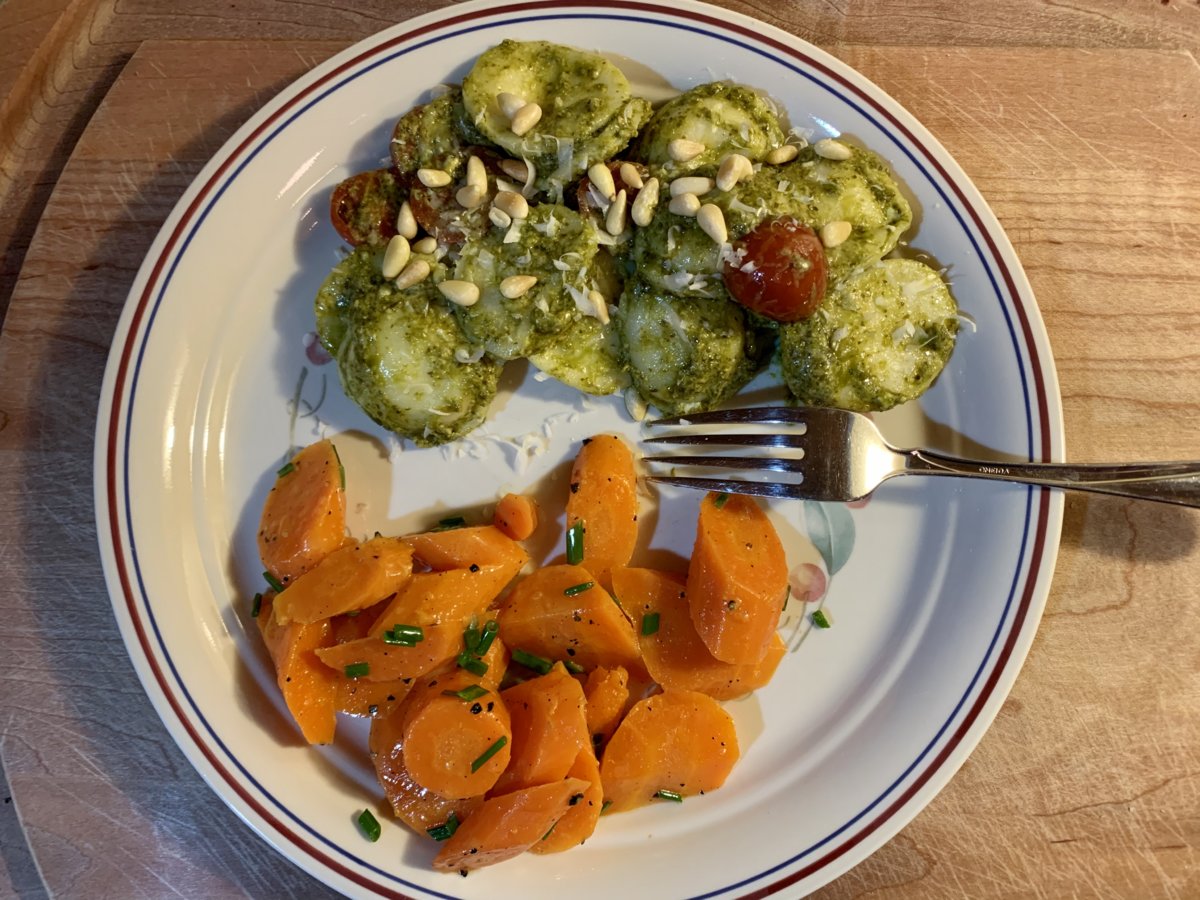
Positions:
(934, 611)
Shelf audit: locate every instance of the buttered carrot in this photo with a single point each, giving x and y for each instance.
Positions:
(560, 613)
(516, 515)
(674, 744)
(549, 727)
(737, 580)
(416, 806)
(673, 653)
(461, 548)
(602, 505)
(457, 735)
(507, 825)
(607, 693)
(579, 821)
(360, 697)
(304, 517)
(309, 689)
(353, 577)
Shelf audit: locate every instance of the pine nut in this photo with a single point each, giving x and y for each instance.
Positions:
(685, 205)
(783, 154)
(406, 222)
(645, 203)
(635, 405)
(683, 150)
(415, 272)
(395, 257)
(828, 148)
(527, 116)
(602, 180)
(510, 104)
(630, 175)
(460, 293)
(515, 169)
(514, 286)
(499, 217)
(476, 173)
(599, 306)
(514, 204)
(834, 233)
(614, 221)
(434, 178)
(691, 184)
(734, 168)
(425, 245)
(469, 196)
(712, 222)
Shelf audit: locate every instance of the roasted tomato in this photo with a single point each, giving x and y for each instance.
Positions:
(588, 204)
(783, 272)
(363, 208)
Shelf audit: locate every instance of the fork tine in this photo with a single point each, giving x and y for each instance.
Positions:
(756, 488)
(765, 415)
(739, 440)
(732, 462)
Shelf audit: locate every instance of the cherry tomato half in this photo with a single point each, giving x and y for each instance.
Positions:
(363, 208)
(783, 273)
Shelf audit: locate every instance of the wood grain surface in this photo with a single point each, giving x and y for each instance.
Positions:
(1079, 122)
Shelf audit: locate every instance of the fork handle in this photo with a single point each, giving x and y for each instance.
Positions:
(1169, 482)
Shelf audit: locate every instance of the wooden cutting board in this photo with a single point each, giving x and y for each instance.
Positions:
(1089, 782)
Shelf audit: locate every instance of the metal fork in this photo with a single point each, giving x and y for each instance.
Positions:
(842, 456)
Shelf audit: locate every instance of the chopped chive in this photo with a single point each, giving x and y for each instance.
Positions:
(341, 469)
(287, 469)
(578, 588)
(472, 663)
(467, 694)
(404, 635)
(604, 806)
(450, 522)
(256, 607)
(445, 830)
(539, 664)
(488, 753)
(573, 667)
(357, 670)
(472, 635)
(720, 500)
(369, 825)
(669, 795)
(821, 620)
(650, 623)
(618, 602)
(274, 582)
(575, 544)
(491, 628)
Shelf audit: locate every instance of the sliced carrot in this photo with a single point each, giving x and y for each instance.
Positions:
(453, 746)
(461, 548)
(549, 728)
(603, 500)
(507, 825)
(441, 597)
(607, 693)
(353, 577)
(579, 822)
(559, 612)
(360, 697)
(357, 624)
(680, 742)
(737, 580)
(673, 653)
(388, 662)
(309, 689)
(517, 516)
(304, 517)
(417, 807)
